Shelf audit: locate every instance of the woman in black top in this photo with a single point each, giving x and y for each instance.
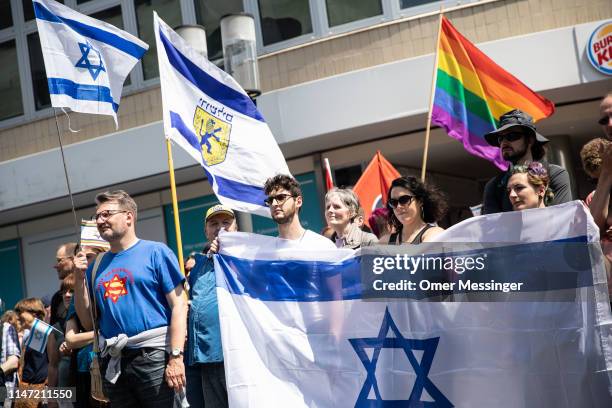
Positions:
(414, 208)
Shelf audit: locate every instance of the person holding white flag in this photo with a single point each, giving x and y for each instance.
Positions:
(212, 118)
(86, 60)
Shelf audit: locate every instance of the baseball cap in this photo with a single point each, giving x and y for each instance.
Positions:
(219, 209)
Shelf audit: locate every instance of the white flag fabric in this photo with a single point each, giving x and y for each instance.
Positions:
(90, 236)
(86, 60)
(212, 118)
(297, 331)
(39, 334)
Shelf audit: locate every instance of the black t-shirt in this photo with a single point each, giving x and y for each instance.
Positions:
(58, 310)
(35, 366)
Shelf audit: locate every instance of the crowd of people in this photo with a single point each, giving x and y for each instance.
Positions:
(130, 330)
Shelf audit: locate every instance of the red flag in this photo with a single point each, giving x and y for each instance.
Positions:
(329, 181)
(373, 185)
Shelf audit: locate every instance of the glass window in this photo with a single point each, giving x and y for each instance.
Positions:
(28, 9)
(208, 14)
(82, 1)
(170, 12)
(10, 87)
(345, 11)
(411, 3)
(6, 19)
(112, 16)
(39, 76)
(284, 19)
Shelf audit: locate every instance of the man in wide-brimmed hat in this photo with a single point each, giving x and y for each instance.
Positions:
(520, 143)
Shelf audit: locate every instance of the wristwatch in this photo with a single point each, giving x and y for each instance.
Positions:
(176, 352)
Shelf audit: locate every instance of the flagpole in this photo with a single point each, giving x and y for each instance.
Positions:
(59, 136)
(431, 98)
(177, 224)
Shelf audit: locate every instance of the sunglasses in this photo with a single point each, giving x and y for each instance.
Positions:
(604, 120)
(511, 137)
(280, 199)
(403, 200)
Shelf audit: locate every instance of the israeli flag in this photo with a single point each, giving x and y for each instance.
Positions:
(297, 330)
(212, 118)
(86, 60)
(39, 334)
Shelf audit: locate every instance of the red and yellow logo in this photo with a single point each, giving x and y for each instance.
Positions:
(115, 288)
(599, 49)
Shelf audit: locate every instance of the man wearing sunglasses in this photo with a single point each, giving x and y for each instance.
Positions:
(520, 143)
(140, 309)
(605, 117)
(284, 197)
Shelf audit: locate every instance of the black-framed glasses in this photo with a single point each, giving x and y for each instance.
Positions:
(105, 215)
(403, 200)
(511, 137)
(280, 199)
(604, 120)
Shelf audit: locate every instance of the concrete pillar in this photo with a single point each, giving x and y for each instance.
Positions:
(560, 153)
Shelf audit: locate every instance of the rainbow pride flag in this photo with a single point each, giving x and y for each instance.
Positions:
(472, 92)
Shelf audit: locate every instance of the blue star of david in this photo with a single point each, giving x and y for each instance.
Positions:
(94, 70)
(422, 382)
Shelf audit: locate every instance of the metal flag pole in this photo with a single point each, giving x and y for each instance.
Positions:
(431, 98)
(177, 224)
(59, 137)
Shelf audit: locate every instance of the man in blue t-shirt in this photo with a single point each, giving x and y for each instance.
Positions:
(205, 371)
(137, 288)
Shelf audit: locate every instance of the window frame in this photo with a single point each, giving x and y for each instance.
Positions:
(318, 14)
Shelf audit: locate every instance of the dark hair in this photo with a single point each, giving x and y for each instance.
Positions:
(67, 283)
(379, 220)
(433, 201)
(538, 150)
(285, 182)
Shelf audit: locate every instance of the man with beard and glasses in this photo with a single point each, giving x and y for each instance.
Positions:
(140, 309)
(285, 201)
(520, 144)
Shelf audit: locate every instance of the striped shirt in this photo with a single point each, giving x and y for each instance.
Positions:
(10, 347)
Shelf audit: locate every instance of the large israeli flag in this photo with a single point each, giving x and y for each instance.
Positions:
(86, 60)
(298, 331)
(210, 116)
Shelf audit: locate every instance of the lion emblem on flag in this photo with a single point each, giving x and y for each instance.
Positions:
(213, 134)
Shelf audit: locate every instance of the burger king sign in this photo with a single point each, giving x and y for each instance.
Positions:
(599, 49)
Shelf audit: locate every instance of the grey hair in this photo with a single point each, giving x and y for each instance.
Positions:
(125, 201)
(348, 198)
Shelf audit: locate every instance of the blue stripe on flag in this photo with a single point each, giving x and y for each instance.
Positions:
(44, 340)
(457, 109)
(216, 90)
(231, 189)
(541, 266)
(61, 86)
(32, 333)
(128, 47)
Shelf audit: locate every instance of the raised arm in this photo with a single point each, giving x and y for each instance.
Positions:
(81, 297)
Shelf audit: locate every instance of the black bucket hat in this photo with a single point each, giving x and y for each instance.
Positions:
(510, 119)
